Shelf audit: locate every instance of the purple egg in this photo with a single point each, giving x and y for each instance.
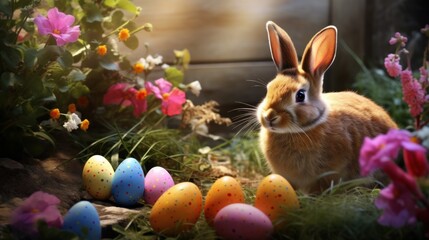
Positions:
(242, 221)
(157, 181)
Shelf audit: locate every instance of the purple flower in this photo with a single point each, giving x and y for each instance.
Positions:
(398, 205)
(39, 206)
(391, 63)
(58, 24)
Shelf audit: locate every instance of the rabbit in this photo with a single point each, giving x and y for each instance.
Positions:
(313, 139)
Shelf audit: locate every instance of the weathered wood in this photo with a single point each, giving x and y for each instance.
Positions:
(226, 30)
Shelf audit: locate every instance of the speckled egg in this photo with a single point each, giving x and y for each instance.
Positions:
(97, 177)
(242, 221)
(157, 181)
(128, 183)
(224, 191)
(177, 210)
(83, 220)
(274, 196)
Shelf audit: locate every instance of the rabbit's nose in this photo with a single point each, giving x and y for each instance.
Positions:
(271, 117)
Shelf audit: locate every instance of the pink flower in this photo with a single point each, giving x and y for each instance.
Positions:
(126, 95)
(398, 38)
(424, 76)
(415, 159)
(376, 152)
(58, 25)
(391, 63)
(172, 99)
(398, 206)
(39, 206)
(414, 94)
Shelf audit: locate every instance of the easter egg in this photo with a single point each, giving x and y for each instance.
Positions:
(177, 210)
(224, 191)
(242, 221)
(97, 177)
(157, 181)
(82, 219)
(274, 196)
(128, 183)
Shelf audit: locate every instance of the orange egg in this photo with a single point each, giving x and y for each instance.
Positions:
(177, 209)
(224, 191)
(274, 195)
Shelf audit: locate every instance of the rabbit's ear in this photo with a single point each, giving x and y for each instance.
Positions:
(320, 52)
(282, 49)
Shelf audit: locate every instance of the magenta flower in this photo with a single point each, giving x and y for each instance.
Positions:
(39, 206)
(414, 94)
(126, 95)
(391, 63)
(398, 205)
(172, 99)
(398, 39)
(415, 159)
(376, 152)
(58, 24)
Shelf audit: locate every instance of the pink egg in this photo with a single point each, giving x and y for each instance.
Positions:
(242, 221)
(157, 181)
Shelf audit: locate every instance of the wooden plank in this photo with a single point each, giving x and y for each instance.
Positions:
(226, 30)
(349, 17)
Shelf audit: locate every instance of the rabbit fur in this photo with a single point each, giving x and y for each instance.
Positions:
(311, 138)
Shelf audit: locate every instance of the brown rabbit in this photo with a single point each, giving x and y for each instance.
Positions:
(309, 137)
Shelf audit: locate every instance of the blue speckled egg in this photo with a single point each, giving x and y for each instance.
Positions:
(128, 183)
(83, 220)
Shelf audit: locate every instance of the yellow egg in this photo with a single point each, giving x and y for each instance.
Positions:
(177, 209)
(224, 191)
(274, 195)
(97, 177)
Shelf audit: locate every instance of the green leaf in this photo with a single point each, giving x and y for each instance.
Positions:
(174, 75)
(8, 79)
(78, 89)
(10, 56)
(65, 60)
(76, 75)
(110, 3)
(47, 54)
(30, 58)
(128, 6)
(93, 13)
(109, 65)
(132, 42)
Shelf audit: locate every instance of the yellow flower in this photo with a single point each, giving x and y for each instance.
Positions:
(55, 113)
(124, 34)
(72, 108)
(84, 125)
(102, 50)
(138, 68)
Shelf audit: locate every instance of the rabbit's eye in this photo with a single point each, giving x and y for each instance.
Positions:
(300, 96)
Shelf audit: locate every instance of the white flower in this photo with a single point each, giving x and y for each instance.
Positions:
(75, 118)
(194, 87)
(165, 66)
(73, 122)
(154, 60)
